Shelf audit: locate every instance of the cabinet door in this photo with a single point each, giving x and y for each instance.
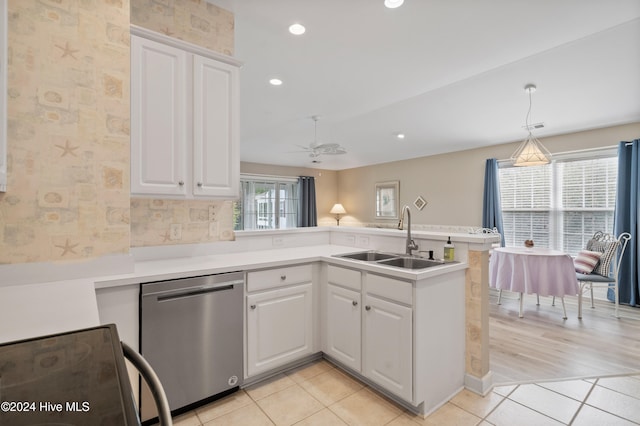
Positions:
(279, 327)
(387, 345)
(159, 138)
(216, 163)
(343, 326)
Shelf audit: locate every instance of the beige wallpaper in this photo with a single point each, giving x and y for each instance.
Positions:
(67, 131)
(195, 21)
(164, 222)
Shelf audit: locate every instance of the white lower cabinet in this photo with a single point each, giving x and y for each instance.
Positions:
(343, 326)
(279, 322)
(405, 337)
(388, 348)
(376, 341)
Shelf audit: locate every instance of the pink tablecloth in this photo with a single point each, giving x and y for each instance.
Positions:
(533, 270)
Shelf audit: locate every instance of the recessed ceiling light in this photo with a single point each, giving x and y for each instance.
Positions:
(275, 81)
(400, 135)
(392, 4)
(297, 29)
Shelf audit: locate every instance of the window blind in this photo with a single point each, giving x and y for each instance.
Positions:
(559, 205)
(266, 203)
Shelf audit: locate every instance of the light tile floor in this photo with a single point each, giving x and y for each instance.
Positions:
(320, 394)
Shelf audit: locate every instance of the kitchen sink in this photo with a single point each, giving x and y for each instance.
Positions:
(368, 256)
(392, 259)
(411, 263)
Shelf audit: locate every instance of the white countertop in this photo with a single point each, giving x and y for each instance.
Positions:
(165, 269)
(33, 310)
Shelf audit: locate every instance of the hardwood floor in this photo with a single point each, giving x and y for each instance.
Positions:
(542, 346)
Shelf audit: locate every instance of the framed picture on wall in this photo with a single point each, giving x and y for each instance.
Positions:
(387, 199)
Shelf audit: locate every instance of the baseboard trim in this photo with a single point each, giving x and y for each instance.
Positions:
(480, 385)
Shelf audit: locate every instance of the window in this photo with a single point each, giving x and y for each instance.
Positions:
(266, 203)
(559, 205)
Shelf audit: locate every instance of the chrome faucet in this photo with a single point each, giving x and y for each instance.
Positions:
(411, 245)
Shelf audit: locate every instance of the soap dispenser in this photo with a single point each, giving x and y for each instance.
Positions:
(448, 251)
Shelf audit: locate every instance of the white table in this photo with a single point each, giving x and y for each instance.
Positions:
(536, 270)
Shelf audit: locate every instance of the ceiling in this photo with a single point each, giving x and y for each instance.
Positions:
(448, 74)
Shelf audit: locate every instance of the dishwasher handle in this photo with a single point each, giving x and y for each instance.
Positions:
(197, 291)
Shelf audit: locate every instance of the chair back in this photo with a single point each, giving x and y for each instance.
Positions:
(620, 246)
(623, 239)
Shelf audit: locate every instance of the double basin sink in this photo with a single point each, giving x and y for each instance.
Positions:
(403, 261)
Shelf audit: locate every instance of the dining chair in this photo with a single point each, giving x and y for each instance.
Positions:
(612, 250)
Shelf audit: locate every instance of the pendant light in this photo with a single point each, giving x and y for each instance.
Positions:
(531, 152)
(392, 4)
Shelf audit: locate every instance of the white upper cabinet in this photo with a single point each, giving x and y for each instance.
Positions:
(159, 136)
(184, 119)
(216, 165)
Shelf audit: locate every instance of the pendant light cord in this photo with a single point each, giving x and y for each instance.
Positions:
(528, 113)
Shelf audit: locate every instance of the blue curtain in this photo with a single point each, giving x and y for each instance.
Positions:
(626, 219)
(491, 208)
(307, 212)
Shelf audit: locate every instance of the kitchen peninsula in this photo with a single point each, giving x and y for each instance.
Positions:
(447, 336)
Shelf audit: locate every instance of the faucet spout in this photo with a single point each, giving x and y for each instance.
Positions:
(411, 245)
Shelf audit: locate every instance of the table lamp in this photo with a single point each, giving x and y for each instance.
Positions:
(337, 209)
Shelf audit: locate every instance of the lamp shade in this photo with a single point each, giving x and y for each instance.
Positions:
(337, 209)
(531, 153)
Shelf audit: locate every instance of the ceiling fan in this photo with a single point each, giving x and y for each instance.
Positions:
(316, 149)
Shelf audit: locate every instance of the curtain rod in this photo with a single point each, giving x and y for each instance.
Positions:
(253, 176)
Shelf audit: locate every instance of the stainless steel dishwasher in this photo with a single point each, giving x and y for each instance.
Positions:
(191, 335)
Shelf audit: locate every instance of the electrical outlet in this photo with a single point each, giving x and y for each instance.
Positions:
(175, 233)
(277, 241)
(213, 229)
(212, 214)
(363, 241)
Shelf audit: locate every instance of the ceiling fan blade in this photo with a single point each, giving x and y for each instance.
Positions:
(337, 151)
(326, 146)
(316, 148)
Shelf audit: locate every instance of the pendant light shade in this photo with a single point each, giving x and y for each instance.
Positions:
(531, 152)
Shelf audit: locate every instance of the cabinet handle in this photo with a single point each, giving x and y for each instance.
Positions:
(253, 306)
(181, 183)
(354, 303)
(368, 308)
(199, 184)
(283, 277)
